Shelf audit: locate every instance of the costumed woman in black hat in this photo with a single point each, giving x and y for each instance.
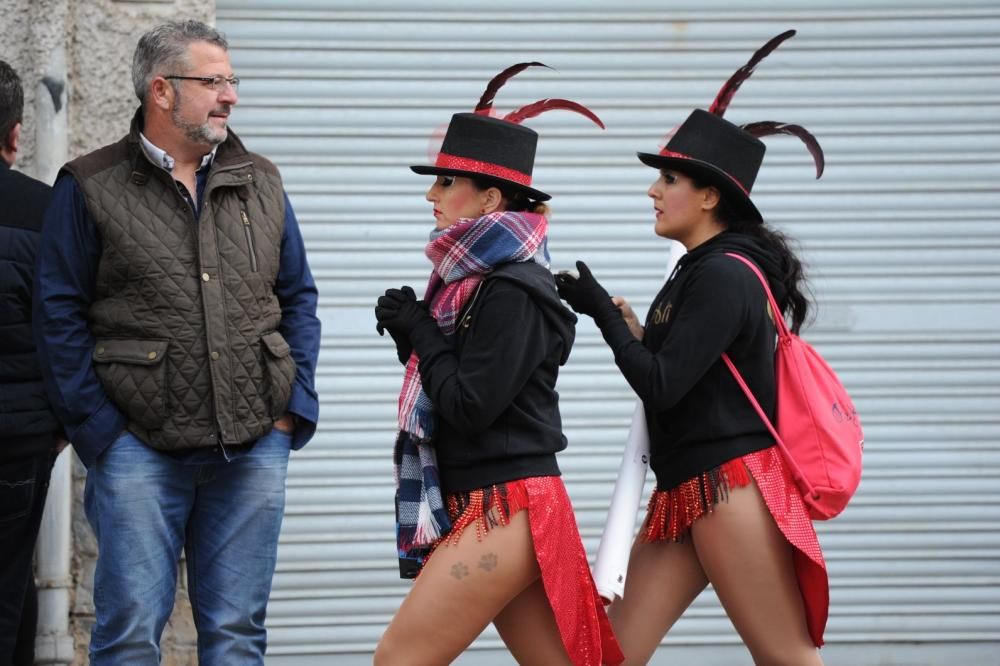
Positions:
(725, 510)
(477, 478)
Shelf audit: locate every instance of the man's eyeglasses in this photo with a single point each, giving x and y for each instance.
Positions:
(217, 83)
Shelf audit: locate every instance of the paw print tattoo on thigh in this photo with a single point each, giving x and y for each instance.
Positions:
(459, 571)
(488, 562)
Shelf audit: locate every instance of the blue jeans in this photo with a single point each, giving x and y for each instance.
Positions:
(144, 506)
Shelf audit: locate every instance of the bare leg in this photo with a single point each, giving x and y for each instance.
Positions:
(529, 629)
(663, 579)
(749, 563)
(462, 588)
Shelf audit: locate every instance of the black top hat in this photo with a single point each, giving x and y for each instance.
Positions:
(725, 155)
(712, 149)
(490, 149)
(497, 150)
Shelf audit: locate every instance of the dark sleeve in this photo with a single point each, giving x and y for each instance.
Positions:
(296, 291)
(65, 275)
(505, 344)
(713, 311)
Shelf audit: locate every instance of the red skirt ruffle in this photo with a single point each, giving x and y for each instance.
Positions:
(583, 623)
(671, 513)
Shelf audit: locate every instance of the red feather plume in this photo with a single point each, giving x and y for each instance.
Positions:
(543, 105)
(769, 127)
(730, 87)
(486, 101)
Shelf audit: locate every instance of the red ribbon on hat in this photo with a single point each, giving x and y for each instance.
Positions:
(446, 161)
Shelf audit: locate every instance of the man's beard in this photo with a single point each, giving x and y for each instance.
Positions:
(203, 133)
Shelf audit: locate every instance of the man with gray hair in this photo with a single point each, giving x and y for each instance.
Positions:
(176, 316)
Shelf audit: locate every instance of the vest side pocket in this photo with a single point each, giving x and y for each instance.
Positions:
(279, 372)
(134, 375)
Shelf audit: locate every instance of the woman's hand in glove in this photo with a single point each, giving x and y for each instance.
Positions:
(399, 310)
(585, 294)
(403, 345)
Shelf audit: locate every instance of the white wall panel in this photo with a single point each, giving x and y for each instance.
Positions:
(901, 235)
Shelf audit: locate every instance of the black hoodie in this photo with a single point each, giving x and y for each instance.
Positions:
(698, 417)
(494, 391)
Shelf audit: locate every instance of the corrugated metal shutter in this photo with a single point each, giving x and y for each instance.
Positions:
(901, 235)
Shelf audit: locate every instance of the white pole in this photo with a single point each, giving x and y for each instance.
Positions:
(53, 642)
(51, 135)
(611, 564)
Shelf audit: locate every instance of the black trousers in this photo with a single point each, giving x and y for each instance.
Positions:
(23, 486)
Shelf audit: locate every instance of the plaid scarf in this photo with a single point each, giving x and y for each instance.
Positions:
(462, 255)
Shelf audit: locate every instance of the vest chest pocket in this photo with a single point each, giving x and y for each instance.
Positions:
(133, 373)
(251, 246)
(279, 372)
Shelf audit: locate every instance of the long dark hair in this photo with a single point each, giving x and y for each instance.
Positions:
(792, 275)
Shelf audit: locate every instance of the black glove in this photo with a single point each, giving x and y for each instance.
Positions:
(399, 310)
(403, 345)
(388, 304)
(586, 295)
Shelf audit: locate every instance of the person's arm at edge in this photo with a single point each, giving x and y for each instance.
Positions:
(65, 276)
(297, 294)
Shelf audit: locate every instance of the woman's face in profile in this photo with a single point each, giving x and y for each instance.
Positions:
(677, 205)
(454, 198)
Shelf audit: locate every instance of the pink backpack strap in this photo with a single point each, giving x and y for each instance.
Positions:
(779, 320)
(783, 337)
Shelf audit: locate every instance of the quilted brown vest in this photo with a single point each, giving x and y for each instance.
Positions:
(184, 315)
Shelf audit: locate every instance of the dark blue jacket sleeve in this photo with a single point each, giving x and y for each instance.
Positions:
(300, 326)
(66, 271)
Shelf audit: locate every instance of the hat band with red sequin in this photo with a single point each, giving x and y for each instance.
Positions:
(446, 161)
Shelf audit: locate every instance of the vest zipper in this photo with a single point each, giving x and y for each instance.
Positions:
(248, 232)
(209, 188)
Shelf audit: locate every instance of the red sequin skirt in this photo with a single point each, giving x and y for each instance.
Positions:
(671, 513)
(580, 616)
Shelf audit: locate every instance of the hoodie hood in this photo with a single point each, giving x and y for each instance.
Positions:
(750, 247)
(538, 281)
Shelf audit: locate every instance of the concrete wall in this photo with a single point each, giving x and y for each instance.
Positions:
(33, 31)
(85, 48)
(96, 38)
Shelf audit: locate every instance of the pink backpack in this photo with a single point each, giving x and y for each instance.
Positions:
(816, 426)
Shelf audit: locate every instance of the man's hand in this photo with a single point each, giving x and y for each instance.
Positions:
(286, 423)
